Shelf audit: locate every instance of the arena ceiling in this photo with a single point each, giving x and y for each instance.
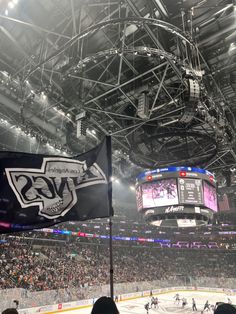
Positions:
(157, 75)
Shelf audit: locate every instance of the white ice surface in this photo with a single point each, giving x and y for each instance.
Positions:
(166, 303)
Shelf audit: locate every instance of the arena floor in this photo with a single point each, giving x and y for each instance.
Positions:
(166, 304)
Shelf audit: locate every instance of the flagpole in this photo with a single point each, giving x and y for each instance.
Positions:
(109, 156)
(111, 260)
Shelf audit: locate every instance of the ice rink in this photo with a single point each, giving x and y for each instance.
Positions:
(166, 303)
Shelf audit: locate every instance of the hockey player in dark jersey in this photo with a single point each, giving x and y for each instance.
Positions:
(152, 302)
(146, 306)
(184, 302)
(206, 306)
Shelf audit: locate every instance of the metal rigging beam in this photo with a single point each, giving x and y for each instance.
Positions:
(153, 37)
(125, 83)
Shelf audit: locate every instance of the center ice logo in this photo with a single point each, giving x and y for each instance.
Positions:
(53, 187)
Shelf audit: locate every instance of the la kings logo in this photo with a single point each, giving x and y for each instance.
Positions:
(53, 187)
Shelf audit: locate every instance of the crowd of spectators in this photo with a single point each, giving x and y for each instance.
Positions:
(80, 265)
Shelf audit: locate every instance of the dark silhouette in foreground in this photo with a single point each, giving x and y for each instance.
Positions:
(104, 305)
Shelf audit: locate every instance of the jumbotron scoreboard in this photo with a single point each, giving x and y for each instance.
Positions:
(177, 196)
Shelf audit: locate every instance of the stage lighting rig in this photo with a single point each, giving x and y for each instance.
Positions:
(81, 124)
(143, 105)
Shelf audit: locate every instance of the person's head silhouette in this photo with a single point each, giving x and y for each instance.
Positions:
(225, 308)
(104, 305)
(10, 311)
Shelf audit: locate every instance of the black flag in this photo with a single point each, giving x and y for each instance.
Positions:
(37, 191)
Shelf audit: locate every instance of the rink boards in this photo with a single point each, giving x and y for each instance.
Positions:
(166, 303)
(129, 297)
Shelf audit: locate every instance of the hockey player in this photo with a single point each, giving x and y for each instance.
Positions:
(156, 303)
(229, 301)
(146, 306)
(206, 306)
(177, 299)
(194, 307)
(152, 302)
(184, 302)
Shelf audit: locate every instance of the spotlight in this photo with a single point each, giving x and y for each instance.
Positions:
(6, 12)
(43, 95)
(11, 5)
(132, 188)
(117, 181)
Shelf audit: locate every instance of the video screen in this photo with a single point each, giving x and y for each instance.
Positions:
(210, 197)
(139, 199)
(190, 191)
(160, 193)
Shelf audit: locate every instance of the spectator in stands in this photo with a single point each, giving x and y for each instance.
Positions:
(56, 267)
(104, 305)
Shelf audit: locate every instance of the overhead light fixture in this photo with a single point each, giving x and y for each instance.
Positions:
(43, 95)
(6, 12)
(11, 5)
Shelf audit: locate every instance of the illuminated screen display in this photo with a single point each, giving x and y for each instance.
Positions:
(160, 193)
(210, 198)
(186, 223)
(190, 191)
(139, 199)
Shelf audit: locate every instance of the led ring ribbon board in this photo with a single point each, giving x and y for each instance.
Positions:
(177, 196)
